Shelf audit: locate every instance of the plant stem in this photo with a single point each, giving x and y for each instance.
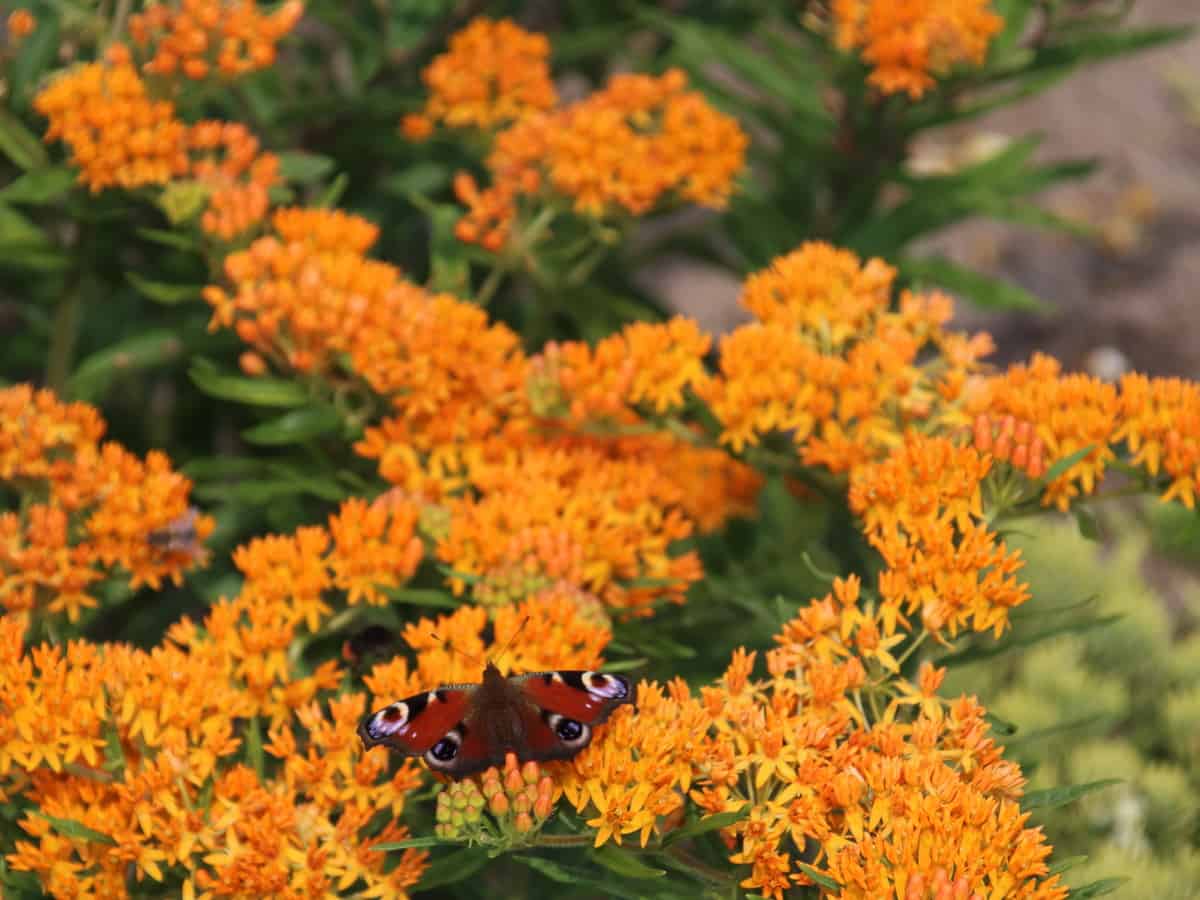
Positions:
(64, 336)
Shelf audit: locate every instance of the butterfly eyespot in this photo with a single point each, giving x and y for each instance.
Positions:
(397, 712)
(569, 729)
(613, 687)
(444, 750)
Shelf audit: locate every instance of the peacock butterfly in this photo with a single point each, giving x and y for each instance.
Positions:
(460, 729)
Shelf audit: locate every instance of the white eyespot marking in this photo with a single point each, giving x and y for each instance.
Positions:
(387, 721)
(572, 733)
(432, 697)
(442, 754)
(556, 678)
(608, 686)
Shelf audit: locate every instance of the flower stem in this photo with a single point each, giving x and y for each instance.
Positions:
(63, 337)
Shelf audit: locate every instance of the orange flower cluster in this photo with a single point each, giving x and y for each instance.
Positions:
(494, 73)
(200, 37)
(89, 508)
(885, 809)
(829, 363)
(621, 150)
(226, 160)
(520, 799)
(910, 42)
(119, 136)
(923, 511)
(144, 747)
(1160, 423)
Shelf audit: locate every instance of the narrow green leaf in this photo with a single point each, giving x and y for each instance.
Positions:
(1064, 864)
(550, 869)
(1098, 888)
(260, 493)
(161, 292)
(422, 597)
(255, 391)
(423, 179)
(77, 830)
(214, 468)
(449, 265)
(705, 825)
(254, 746)
(1061, 796)
(18, 234)
(332, 194)
(1040, 734)
(1061, 466)
(981, 290)
(453, 867)
(624, 863)
(20, 144)
(174, 239)
(304, 168)
(820, 878)
(411, 844)
(1001, 726)
(1089, 525)
(133, 354)
(987, 651)
(40, 186)
(294, 427)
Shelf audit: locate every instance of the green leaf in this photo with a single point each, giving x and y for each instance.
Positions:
(1064, 864)
(1039, 734)
(254, 391)
(332, 194)
(1098, 888)
(1061, 796)
(411, 844)
(550, 869)
(981, 651)
(294, 427)
(451, 868)
(705, 825)
(174, 239)
(18, 234)
(77, 830)
(422, 179)
(214, 468)
(39, 186)
(20, 144)
(1060, 467)
(96, 373)
(820, 878)
(422, 597)
(624, 863)
(304, 168)
(982, 290)
(1001, 726)
(1089, 525)
(254, 746)
(161, 292)
(449, 265)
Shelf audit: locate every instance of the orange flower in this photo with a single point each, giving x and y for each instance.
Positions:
(1160, 423)
(117, 134)
(494, 73)
(203, 37)
(910, 42)
(1070, 413)
(624, 148)
(225, 159)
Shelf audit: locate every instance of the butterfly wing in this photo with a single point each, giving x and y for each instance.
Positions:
(417, 725)
(563, 707)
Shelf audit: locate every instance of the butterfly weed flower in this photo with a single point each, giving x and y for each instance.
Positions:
(204, 38)
(910, 43)
(227, 162)
(118, 134)
(1159, 421)
(92, 508)
(493, 73)
(20, 24)
(621, 151)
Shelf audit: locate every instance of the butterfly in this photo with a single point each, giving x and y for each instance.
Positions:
(460, 729)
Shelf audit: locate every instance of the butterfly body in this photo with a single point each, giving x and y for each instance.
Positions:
(460, 729)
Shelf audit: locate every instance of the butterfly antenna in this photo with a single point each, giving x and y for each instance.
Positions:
(508, 644)
(469, 657)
